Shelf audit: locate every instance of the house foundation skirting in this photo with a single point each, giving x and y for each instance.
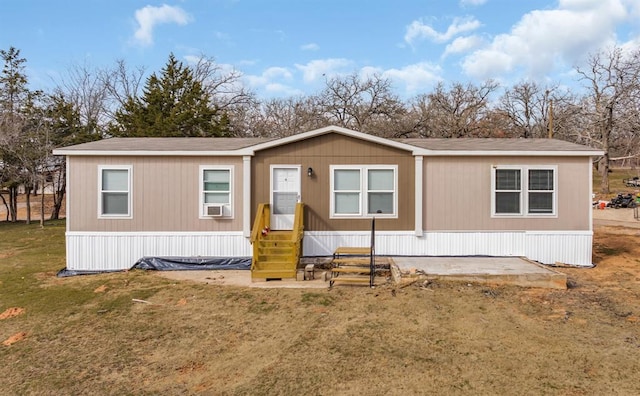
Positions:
(547, 247)
(100, 251)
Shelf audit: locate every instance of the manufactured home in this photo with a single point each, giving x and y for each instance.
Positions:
(129, 198)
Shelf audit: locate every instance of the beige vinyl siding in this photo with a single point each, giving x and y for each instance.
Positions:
(165, 194)
(320, 153)
(457, 193)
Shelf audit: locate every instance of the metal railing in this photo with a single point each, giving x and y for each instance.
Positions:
(372, 261)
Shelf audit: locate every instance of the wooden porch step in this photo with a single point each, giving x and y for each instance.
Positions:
(275, 264)
(352, 270)
(274, 257)
(278, 236)
(352, 261)
(273, 273)
(350, 280)
(352, 251)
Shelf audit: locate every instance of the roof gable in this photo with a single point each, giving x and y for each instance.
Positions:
(339, 130)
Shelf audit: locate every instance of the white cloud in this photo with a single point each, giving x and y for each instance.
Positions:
(310, 47)
(315, 69)
(546, 39)
(268, 76)
(149, 16)
(278, 89)
(418, 30)
(278, 72)
(462, 44)
(416, 78)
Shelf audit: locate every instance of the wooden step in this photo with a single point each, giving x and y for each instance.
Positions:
(352, 261)
(279, 264)
(350, 280)
(269, 243)
(274, 249)
(277, 236)
(352, 251)
(273, 273)
(275, 257)
(351, 270)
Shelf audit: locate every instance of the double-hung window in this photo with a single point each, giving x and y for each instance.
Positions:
(524, 190)
(114, 197)
(508, 191)
(364, 191)
(541, 191)
(216, 191)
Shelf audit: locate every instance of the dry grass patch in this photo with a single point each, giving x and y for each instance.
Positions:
(438, 337)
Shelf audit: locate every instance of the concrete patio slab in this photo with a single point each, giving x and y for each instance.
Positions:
(485, 270)
(489, 270)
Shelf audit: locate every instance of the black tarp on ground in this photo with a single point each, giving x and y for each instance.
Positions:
(175, 264)
(193, 263)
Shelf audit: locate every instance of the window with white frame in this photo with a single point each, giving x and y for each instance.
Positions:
(114, 198)
(524, 190)
(364, 190)
(541, 191)
(215, 191)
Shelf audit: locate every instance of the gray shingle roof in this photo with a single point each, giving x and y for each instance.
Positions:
(495, 144)
(244, 146)
(167, 144)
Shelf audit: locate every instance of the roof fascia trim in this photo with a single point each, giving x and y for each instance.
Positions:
(509, 153)
(149, 153)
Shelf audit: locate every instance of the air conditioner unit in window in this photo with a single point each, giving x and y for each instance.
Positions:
(215, 210)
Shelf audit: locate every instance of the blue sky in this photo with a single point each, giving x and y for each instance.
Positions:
(285, 48)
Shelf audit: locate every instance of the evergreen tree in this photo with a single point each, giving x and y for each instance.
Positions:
(172, 104)
(15, 101)
(65, 128)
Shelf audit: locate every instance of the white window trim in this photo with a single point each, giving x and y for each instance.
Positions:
(524, 191)
(129, 169)
(363, 192)
(228, 210)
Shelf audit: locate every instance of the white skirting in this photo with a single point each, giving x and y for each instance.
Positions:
(547, 247)
(93, 251)
(99, 251)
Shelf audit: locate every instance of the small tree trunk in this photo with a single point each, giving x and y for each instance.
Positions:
(607, 128)
(28, 201)
(6, 205)
(13, 203)
(42, 202)
(58, 193)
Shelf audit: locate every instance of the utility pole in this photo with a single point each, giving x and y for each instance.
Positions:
(550, 118)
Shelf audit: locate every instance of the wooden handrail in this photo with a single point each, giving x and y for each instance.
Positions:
(262, 220)
(298, 222)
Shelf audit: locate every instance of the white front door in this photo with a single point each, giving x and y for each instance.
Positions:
(285, 193)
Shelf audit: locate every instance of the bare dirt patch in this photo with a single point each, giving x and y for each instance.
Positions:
(36, 206)
(14, 338)
(11, 312)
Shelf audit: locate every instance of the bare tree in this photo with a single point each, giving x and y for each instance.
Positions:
(456, 112)
(90, 90)
(121, 83)
(225, 88)
(612, 79)
(536, 112)
(364, 104)
(284, 117)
